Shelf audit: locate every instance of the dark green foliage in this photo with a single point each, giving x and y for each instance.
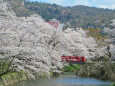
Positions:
(104, 71)
(113, 84)
(71, 68)
(18, 7)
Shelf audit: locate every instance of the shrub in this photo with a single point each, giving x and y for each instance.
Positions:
(71, 68)
(113, 84)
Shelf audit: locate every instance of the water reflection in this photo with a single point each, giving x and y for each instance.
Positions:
(64, 81)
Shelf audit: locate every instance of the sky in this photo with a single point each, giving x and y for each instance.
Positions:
(93, 3)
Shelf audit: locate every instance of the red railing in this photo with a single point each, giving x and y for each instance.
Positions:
(73, 58)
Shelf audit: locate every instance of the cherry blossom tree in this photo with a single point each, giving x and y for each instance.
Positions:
(111, 32)
(38, 47)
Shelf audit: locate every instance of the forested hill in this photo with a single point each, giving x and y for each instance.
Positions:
(77, 16)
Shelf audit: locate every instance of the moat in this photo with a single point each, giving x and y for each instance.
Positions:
(66, 80)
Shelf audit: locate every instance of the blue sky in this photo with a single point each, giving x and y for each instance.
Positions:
(96, 3)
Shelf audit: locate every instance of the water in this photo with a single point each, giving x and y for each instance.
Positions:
(64, 81)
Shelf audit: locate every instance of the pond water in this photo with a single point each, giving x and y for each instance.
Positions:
(64, 81)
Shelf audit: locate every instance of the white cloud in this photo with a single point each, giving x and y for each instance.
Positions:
(69, 2)
(107, 6)
(59, 2)
(54, 1)
(105, 1)
(82, 2)
(97, 3)
(94, 1)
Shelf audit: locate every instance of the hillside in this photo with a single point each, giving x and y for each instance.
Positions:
(77, 16)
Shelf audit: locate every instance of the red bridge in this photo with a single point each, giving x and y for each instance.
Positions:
(73, 59)
(54, 24)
